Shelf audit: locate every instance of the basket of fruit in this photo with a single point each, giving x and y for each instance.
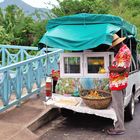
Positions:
(97, 99)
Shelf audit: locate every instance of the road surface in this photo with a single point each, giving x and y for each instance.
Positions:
(89, 127)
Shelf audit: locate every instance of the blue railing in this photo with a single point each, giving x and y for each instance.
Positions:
(20, 80)
(10, 54)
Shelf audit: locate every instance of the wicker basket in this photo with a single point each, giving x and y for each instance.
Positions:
(100, 103)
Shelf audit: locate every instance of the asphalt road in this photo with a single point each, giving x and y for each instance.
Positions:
(87, 127)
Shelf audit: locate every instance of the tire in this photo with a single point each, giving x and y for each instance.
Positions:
(66, 113)
(130, 109)
(139, 98)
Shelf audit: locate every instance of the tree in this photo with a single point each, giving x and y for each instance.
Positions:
(4, 37)
(18, 28)
(129, 10)
(67, 7)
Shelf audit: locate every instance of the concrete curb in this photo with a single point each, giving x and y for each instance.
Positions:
(27, 133)
(24, 134)
(45, 117)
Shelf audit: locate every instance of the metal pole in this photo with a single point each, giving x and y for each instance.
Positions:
(130, 49)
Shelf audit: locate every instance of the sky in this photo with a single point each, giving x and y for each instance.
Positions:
(40, 3)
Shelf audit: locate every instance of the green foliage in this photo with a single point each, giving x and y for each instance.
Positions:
(19, 29)
(68, 7)
(129, 10)
(4, 37)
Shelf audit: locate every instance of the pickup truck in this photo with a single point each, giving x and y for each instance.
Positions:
(85, 39)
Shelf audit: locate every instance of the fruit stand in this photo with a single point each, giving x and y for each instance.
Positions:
(85, 39)
(76, 104)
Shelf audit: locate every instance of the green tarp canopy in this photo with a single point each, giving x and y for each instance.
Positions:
(84, 31)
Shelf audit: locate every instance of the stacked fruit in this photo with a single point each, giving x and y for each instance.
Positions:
(94, 94)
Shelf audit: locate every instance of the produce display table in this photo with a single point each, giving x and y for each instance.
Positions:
(76, 104)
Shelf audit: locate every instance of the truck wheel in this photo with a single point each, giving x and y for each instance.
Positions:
(66, 113)
(130, 109)
(139, 98)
